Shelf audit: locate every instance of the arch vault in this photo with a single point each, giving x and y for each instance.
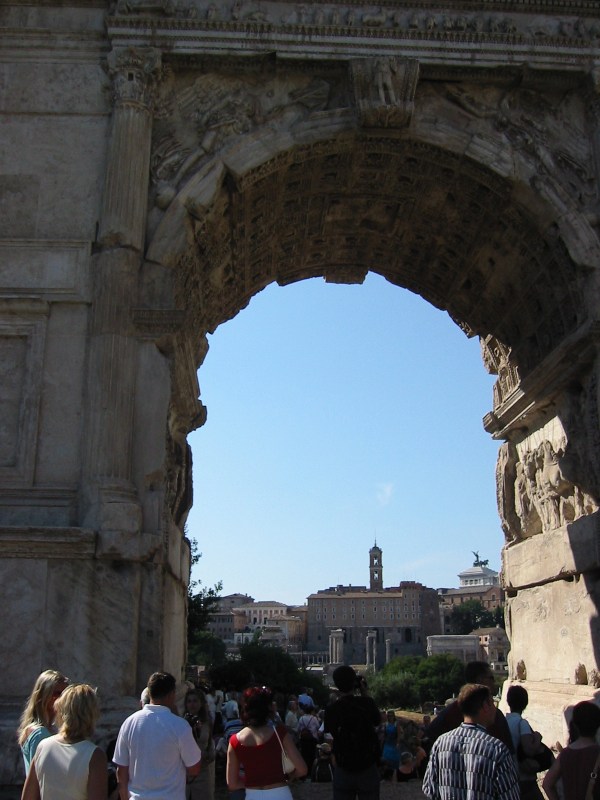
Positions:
(192, 154)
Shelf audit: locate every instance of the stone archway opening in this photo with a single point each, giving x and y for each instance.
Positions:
(328, 397)
(486, 248)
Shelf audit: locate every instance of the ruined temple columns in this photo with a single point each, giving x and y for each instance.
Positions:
(371, 649)
(336, 646)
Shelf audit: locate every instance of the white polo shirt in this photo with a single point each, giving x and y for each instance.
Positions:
(156, 746)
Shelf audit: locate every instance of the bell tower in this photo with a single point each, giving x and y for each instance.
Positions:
(375, 568)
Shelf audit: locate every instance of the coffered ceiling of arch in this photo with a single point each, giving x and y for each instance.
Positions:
(430, 221)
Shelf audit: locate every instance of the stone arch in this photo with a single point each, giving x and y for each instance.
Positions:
(508, 254)
(455, 149)
(501, 259)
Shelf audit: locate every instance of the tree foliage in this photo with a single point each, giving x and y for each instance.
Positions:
(394, 690)
(471, 615)
(206, 648)
(408, 681)
(203, 647)
(269, 666)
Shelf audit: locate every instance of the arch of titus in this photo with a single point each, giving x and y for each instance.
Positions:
(165, 160)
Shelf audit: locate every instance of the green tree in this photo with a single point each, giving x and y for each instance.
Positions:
(206, 648)
(409, 681)
(402, 664)
(202, 601)
(439, 677)
(259, 664)
(394, 690)
(231, 674)
(471, 614)
(270, 666)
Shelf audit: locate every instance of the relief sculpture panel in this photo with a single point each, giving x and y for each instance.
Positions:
(195, 116)
(534, 494)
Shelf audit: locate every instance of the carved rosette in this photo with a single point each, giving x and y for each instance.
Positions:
(134, 74)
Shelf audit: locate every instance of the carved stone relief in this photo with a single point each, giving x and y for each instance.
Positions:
(533, 123)
(435, 23)
(497, 361)
(384, 90)
(534, 494)
(194, 118)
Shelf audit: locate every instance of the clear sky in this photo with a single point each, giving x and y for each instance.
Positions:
(338, 415)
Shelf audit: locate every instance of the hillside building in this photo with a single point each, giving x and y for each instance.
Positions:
(478, 582)
(370, 625)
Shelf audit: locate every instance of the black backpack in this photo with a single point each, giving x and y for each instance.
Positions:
(355, 742)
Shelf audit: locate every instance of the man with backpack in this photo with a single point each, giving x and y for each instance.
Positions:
(308, 737)
(352, 721)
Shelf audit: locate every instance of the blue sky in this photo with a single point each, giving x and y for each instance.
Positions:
(338, 415)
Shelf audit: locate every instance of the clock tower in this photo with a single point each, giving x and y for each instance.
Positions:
(375, 568)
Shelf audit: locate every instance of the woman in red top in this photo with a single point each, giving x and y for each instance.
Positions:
(257, 751)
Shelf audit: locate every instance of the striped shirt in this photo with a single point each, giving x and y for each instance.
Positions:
(469, 764)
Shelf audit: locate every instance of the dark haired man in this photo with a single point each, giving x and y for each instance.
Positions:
(467, 762)
(155, 749)
(451, 717)
(352, 720)
(528, 739)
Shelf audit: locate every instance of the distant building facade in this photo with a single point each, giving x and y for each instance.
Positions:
(238, 618)
(478, 582)
(484, 644)
(494, 645)
(360, 625)
(221, 622)
(464, 647)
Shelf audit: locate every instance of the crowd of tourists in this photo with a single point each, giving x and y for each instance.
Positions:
(259, 743)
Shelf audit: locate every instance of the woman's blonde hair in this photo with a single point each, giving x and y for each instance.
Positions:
(36, 709)
(77, 711)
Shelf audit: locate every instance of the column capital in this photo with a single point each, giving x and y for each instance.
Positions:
(135, 73)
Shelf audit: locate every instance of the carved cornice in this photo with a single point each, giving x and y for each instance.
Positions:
(42, 543)
(570, 360)
(154, 323)
(566, 35)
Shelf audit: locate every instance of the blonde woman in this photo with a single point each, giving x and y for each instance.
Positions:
(69, 765)
(38, 715)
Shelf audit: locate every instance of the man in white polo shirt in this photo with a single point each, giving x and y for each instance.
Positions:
(155, 749)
